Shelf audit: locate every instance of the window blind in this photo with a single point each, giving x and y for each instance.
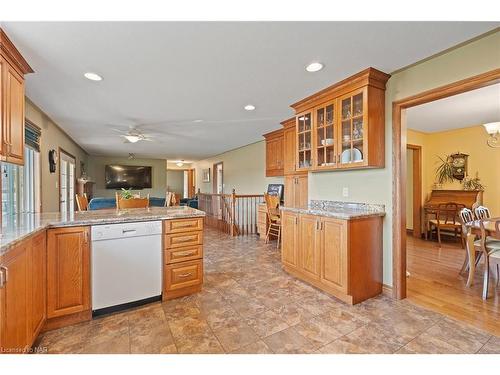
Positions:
(32, 136)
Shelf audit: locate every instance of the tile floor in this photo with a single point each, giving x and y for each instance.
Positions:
(249, 305)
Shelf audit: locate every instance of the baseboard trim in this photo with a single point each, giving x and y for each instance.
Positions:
(387, 290)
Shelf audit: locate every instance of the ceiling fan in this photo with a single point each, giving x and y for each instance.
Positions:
(133, 135)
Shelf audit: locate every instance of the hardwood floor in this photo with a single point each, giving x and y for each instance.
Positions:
(435, 283)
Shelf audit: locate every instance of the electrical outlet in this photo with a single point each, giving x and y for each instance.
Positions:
(345, 192)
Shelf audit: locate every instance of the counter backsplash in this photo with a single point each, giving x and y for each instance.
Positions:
(336, 205)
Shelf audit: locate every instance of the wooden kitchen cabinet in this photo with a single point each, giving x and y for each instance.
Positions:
(290, 238)
(296, 188)
(274, 153)
(38, 282)
(13, 67)
(183, 257)
(289, 147)
(341, 257)
(15, 300)
(343, 126)
(68, 271)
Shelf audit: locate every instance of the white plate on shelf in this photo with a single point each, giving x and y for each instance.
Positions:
(354, 157)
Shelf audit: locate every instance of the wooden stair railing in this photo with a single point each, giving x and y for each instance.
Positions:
(232, 213)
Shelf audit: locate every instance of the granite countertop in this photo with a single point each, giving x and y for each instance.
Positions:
(15, 228)
(339, 210)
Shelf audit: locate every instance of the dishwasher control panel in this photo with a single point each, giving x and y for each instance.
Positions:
(123, 230)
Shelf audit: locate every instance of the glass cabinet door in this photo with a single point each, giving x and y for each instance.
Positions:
(304, 140)
(325, 147)
(352, 129)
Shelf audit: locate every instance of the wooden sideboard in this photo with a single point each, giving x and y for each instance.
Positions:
(342, 126)
(341, 257)
(13, 67)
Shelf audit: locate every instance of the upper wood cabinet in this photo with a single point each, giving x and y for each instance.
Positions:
(68, 271)
(274, 153)
(296, 187)
(289, 147)
(13, 67)
(342, 126)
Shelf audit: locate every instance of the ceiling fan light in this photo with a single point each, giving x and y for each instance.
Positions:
(132, 138)
(492, 128)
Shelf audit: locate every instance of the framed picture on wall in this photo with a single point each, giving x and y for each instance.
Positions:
(206, 175)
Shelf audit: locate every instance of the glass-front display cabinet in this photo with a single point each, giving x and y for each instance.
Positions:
(304, 141)
(352, 128)
(343, 126)
(325, 147)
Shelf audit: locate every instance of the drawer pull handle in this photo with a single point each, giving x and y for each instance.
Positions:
(186, 274)
(186, 225)
(187, 253)
(185, 239)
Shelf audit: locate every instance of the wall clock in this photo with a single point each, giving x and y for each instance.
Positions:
(459, 165)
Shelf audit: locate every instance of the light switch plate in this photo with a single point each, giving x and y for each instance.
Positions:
(345, 192)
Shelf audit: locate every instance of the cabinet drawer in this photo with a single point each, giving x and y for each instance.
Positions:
(183, 225)
(176, 240)
(183, 275)
(183, 254)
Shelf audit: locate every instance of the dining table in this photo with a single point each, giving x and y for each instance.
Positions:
(474, 230)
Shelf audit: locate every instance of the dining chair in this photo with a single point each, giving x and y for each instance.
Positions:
(466, 216)
(273, 217)
(132, 202)
(446, 219)
(491, 248)
(482, 212)
(82, 203)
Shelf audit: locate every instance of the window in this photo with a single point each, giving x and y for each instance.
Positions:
(21, 185)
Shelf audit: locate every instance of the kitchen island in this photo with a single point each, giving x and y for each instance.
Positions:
(45, 265)
(335, 246)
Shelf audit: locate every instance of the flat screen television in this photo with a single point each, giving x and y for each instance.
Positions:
(128, 177)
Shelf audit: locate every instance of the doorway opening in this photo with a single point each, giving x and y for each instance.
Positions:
(67, 181)
(434, 264)
(181, 182)
(218, 184)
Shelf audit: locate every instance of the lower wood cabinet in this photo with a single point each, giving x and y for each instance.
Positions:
(68, 271)
(38, 275)
(341, 257)
(22, 294)
(183, 257)
(15, 300)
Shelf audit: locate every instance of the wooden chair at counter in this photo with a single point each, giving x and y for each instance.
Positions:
(446, 219)
(491, 250)
(169, 199)
(273, 217)
(132, 202)
(82, 203)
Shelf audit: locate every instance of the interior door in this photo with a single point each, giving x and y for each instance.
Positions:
(309, 245)
(67, 165)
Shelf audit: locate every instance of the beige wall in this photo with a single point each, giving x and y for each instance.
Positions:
(375, 186)
(175, 181)
(244, 170)
(52, 138)
(482, 159)
(97, 167)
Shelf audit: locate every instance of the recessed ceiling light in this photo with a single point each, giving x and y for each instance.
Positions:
(314, 67)
(198, 120)
(249, 107)
(93, 76)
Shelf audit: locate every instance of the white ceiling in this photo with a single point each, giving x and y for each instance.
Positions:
(168, 74)
(459, 111)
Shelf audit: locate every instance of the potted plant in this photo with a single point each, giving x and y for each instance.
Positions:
(126, 194)
(444, 171)
(473, 183)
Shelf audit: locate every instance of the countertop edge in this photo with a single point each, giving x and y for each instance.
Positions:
(5, 248)
(337, 215)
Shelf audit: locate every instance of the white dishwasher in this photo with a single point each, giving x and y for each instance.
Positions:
(126, 265)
